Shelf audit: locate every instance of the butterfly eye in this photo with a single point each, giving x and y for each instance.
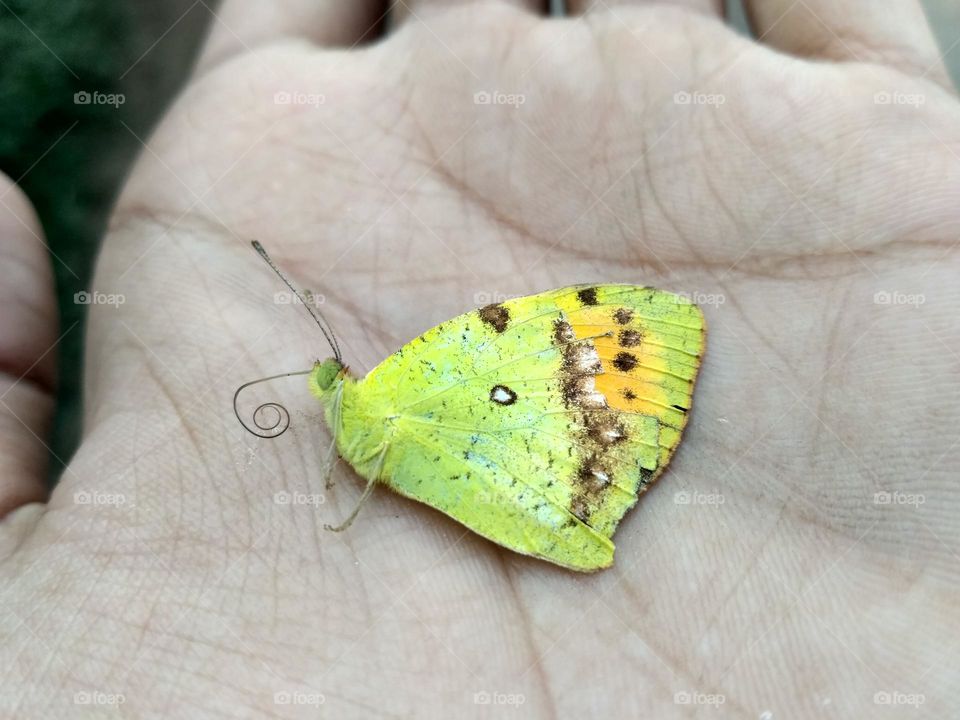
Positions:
(325, 373)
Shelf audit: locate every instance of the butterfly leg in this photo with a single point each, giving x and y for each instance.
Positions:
(329, 462)
(367, 492)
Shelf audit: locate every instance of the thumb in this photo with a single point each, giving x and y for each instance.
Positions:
(28, 335)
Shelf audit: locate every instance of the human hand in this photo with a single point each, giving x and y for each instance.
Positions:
(181, 563)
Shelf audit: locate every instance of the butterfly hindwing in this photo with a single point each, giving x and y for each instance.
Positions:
(536, 422)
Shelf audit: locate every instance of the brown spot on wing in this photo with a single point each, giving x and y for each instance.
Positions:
(623, 315)
(581, 391)
(495, 315)
(630, 338)
(592, 481)
(587, 296)
(593, 477)
(625, 362)
(581, 359)
(646, 476)
(603, 429)
(563, 332)
(579, 507)
(581, 363)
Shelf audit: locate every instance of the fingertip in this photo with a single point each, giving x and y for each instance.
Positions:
(28, 335)
(240, 26)
(29, 323)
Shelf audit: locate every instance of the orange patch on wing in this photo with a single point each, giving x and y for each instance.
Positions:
(632, 378)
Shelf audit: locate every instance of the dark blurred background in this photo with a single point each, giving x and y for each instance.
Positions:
(70, 157)
(70, 152)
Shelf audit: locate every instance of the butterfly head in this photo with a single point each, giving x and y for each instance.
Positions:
(324, 375)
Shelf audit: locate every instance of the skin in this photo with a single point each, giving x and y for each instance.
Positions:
(760, 569)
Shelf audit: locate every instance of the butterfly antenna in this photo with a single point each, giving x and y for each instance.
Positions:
(283, 417)
(317, 316)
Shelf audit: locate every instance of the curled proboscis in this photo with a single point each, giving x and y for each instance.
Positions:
(260, 428)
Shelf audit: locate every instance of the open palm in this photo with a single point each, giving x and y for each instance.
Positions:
(800, 552)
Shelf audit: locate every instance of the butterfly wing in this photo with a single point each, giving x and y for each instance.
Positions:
(536, 422)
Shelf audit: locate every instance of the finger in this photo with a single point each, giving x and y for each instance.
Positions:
(28, 334)
(402, 10)
(710, 7)
(896, 35)
(241, 25)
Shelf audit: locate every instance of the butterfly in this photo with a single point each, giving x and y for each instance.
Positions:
(535, 422)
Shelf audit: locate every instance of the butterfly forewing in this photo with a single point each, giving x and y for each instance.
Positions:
(536, 422)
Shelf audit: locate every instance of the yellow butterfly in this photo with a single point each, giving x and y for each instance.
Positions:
(535, 422)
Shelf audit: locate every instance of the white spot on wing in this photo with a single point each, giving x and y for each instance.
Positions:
(587, 394)
(611, 434)
(588, 359)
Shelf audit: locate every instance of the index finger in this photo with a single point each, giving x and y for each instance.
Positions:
(244, 25)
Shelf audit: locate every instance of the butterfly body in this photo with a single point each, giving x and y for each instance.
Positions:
(535, 422)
